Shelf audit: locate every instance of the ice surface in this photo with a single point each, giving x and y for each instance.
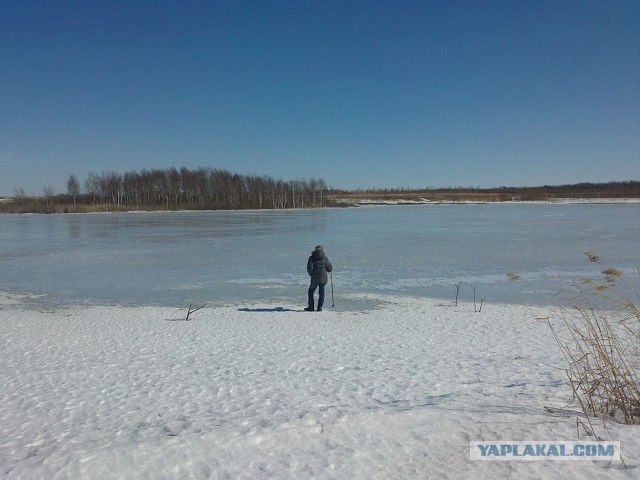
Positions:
(213, 257)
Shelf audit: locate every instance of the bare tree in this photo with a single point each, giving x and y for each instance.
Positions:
(48, 193)
(20, 193)
(93, 188)
(73, 187)
(113, 186)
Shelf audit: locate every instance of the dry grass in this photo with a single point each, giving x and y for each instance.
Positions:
(513, 276)
(602, 347)
(592, 257)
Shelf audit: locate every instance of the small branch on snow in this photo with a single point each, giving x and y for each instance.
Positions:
(475, 304)
(457, 292)
(189, 312)
(481, 302)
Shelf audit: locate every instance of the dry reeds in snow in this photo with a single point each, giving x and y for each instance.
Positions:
(603, 349)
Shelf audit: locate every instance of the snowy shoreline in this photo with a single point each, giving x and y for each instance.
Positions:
(267, 391)
(559, 201)
(342, 203)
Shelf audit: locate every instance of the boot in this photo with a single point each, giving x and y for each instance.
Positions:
(310, 301)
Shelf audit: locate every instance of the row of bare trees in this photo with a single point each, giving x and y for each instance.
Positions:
(200, 188)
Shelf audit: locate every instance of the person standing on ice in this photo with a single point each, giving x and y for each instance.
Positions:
(317, 267)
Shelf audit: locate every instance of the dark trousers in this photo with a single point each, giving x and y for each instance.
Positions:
(312, 289)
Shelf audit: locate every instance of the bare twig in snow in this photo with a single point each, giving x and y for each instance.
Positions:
(190, 311)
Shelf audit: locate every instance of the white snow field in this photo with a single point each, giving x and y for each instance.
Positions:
(265, 390)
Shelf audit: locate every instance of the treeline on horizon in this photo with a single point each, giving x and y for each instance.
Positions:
(173, 189)
(215, 189)
(585, 190)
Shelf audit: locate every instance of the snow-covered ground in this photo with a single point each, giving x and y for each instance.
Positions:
(264, 390)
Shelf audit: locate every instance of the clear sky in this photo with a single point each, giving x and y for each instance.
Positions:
(360, 93)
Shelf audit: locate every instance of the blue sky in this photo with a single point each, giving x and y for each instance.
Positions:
(361, 93)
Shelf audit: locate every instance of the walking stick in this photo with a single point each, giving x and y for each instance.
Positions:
(333, 304)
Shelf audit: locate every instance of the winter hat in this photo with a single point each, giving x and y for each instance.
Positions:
(319, 247)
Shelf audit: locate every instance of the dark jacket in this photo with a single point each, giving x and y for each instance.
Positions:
(317, 267)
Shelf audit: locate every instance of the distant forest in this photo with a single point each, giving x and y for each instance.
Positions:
(213, 189)
(546, 193)
(173, 189)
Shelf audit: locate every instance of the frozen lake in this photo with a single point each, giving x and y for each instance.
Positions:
(178, 258)
(103, 378)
